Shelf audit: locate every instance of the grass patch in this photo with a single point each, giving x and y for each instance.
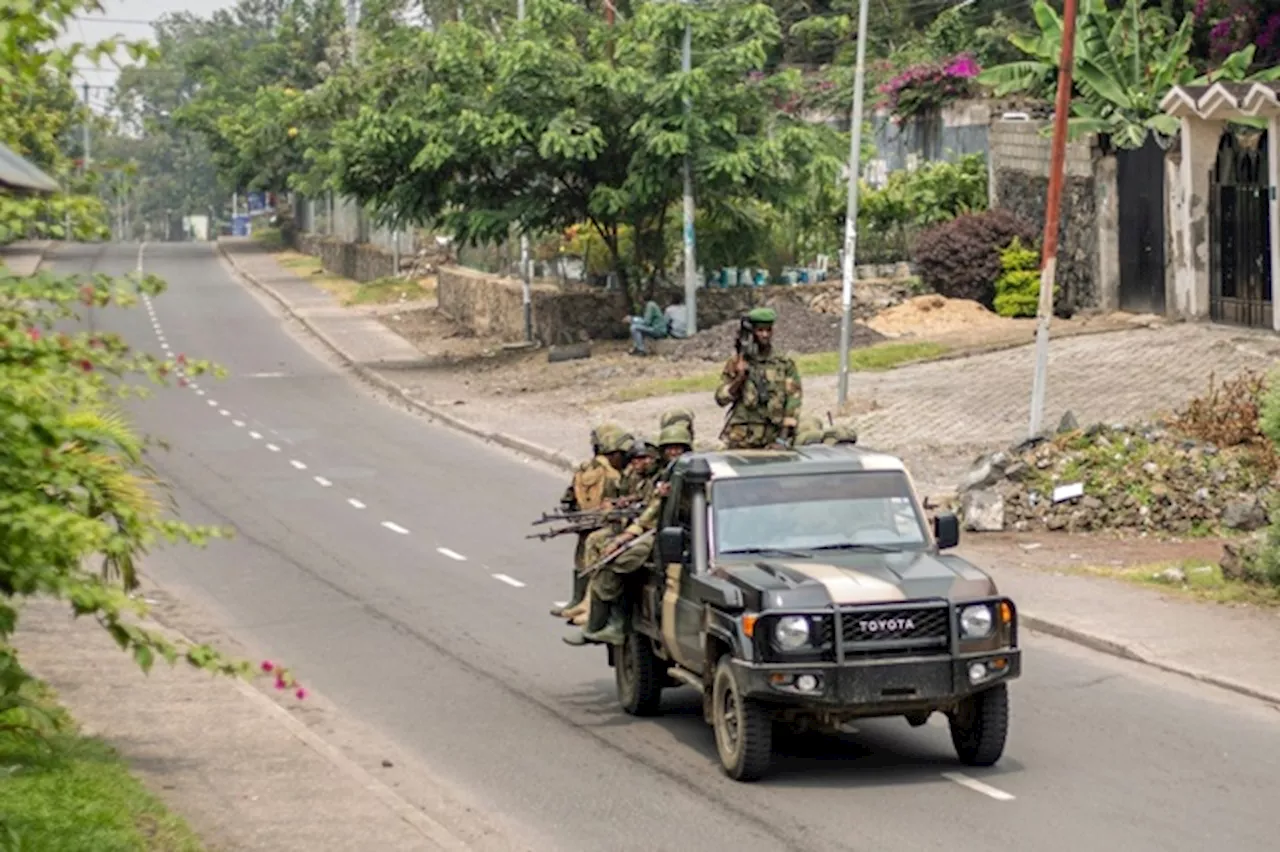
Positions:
(269, 237)
(70, 793)
(882, 356)
(1204, 581)
(386, 291)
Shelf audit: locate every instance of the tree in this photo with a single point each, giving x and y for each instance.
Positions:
(567, 120)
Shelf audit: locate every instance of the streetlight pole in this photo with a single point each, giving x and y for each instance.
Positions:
(851, 214)
(690, 251)
(1049, 252)
(526, 287)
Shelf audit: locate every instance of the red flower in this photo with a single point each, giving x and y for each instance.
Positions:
(88, 294)
(301, 693)
(33, 333)
(268, 666)
(86, 365)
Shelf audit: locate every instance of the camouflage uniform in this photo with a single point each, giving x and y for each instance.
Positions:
(768, 403)
(594, 482)
(607, 613)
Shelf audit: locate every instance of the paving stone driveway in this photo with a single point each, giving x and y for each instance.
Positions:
(940, 415)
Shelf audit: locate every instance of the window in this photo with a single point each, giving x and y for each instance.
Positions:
(873, 509)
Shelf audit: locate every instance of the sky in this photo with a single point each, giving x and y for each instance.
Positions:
(127, 18)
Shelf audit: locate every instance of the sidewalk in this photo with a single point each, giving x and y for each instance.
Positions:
(24, 256)
(246, 771)
(1227, 646)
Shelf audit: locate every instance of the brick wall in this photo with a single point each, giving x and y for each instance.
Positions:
(1019, 182)
(357, 261)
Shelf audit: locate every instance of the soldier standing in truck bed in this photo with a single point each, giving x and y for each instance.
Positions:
(760, 386)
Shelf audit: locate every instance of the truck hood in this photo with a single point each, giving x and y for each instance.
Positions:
(864, 578)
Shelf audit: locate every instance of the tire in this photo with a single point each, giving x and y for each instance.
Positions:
(743, 728)
(640, 676)
(980, 726)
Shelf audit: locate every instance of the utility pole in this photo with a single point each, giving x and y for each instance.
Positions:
(851, 214)
(85, 130)
(1049, 252)
(690, 251)
(353, 19)
(526, 284)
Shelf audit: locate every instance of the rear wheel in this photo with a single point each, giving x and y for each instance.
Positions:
(744, 728)
(639, 675)
(980, 726)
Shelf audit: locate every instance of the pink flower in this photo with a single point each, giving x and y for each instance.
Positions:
(268, 666)
(33, 333)
(301, 693)
(280, 684)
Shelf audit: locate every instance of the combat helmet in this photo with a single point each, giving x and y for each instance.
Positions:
(677, 434)
(612, 438)
(841, 432)
(673, 416)
(642, 447)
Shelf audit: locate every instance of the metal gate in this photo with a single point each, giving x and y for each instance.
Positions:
(1140, 190)
(1239, 232)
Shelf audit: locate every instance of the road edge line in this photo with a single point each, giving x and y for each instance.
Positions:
(511, 442)
(1031, 622)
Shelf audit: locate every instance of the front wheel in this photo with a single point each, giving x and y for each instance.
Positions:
(639, 675)
(980, 726)
(744, 728)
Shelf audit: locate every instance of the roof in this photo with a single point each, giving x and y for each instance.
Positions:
(18, 173)
(813, 458)
(1223, 101)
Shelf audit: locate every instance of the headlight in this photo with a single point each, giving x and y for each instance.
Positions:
(976, 622)
(792, 632)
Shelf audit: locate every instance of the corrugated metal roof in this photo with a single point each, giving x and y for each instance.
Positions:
(17, 172)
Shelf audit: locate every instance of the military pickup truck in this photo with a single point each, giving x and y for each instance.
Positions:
(806, 588)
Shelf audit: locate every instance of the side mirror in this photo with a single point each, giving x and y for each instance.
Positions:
(672, 542)
(946, 530)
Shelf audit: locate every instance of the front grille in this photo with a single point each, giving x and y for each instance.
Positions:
(906, 629)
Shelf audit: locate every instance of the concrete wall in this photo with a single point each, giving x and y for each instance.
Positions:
(357, 261)
(1088, 258)
(491, 305)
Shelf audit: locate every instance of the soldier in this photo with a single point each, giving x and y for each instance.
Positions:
(672, 416)
(607, 616)
(760, 386)
(809, 431)
(595, 484)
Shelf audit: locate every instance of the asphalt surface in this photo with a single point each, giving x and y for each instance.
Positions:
(384, 559)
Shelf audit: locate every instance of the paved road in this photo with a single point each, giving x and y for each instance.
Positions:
(384, 558)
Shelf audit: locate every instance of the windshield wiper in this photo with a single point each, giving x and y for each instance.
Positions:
(853, 545)
(760, 550)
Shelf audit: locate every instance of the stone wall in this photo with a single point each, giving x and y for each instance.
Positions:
(1019, 182)
(491, 305)
(357, 261)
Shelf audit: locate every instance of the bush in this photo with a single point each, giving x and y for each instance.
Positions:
(1018, 287)
(961, 258)
(934, 193)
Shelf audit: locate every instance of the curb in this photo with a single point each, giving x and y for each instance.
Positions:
(511, 442)
(557, 459)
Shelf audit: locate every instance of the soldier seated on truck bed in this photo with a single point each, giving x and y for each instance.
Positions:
(607, 617)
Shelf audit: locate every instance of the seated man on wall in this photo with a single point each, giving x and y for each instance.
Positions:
(657, 324)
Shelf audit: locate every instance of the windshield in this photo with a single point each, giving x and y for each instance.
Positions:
(857, 510)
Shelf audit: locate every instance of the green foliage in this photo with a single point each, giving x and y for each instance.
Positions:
(1018, 287)
(1126, 60)
(564, 120)
(933, 193)
(960, 259)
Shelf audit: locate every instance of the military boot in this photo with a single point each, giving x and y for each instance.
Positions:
(613, 632)
(579, 601)
(597, 618)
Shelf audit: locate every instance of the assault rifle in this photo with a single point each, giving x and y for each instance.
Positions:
(585, 521)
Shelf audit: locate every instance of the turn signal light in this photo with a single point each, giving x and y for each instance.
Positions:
(749, 624)
(1006, 612)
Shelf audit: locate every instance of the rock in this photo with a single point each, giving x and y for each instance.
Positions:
(1172, 575)
(1016, 472)
(984, 474)
(983, 511)
(1238, 556)
(1247, 515)
(1068, 423)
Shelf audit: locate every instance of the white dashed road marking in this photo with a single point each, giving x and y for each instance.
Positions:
(257, 436)
(322, 482)
(224, 412)
(239, 424)
(560, 603)
(213, 403)
(355, 503)
(273, 448)
(299, 465)
(199, 392)
(395, 528)
(510, 581)
(978, 787)
(452, 554)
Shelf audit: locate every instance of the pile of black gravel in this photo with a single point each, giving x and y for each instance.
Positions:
(797, 330)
